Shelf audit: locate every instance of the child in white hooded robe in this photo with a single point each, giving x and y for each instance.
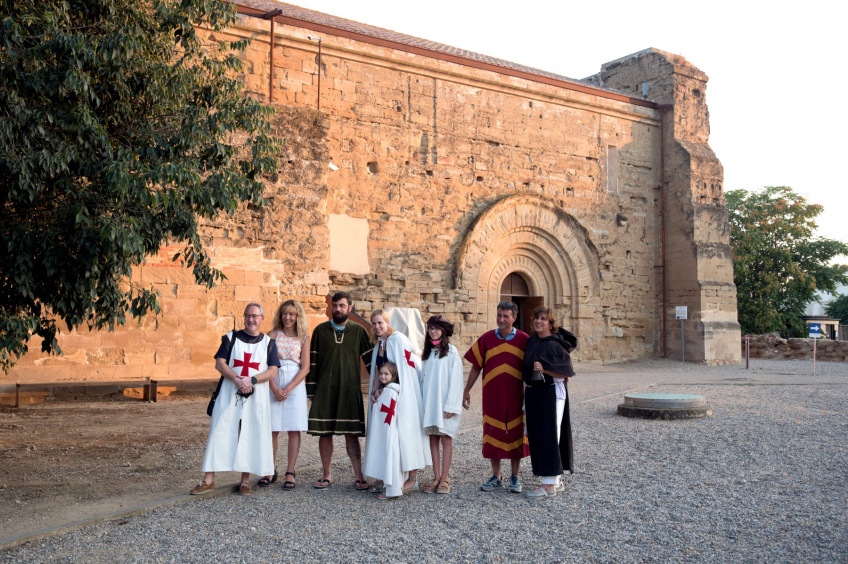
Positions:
(382, 450)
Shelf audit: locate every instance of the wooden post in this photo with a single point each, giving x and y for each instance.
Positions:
(814, 356)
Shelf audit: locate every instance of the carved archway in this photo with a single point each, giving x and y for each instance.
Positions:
(535, 238)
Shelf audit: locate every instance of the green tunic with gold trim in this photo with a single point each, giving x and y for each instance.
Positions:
(334, 381)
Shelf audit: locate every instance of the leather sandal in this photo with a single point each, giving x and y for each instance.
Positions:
(413, 488)
(444, 486)
(202, 488)
(288, 484)
(431, 487)
(265, 481)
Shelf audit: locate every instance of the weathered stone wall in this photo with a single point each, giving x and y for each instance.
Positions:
(463, 177)
(699, 268)
(773, 346)
(426, 148)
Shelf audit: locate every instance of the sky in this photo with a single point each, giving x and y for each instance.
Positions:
(777, 70)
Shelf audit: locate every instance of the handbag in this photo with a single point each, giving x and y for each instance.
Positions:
(211, 407)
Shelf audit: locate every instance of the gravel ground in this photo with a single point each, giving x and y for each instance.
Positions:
(764, 479)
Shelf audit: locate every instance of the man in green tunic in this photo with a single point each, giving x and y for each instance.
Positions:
(334, 385)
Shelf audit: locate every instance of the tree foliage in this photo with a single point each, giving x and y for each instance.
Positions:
(838, 309)
(778, 263)
(119, 129)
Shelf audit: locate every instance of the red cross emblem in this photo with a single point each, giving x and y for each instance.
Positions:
(246, 364)
(389, 411)
(408, 355)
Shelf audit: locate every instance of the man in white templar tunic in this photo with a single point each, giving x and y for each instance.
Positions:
(240, 432)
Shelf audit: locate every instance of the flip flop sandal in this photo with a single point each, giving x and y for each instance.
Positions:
(361, 485)
(288, 484)
(322, 484)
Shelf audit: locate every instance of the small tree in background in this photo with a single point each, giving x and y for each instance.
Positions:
(838, 309)
(119, 129)
(778, 263)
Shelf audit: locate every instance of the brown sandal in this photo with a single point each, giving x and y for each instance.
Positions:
(431, 487)
(444, 487)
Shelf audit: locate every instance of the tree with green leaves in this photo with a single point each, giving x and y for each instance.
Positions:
(778, 262)
(120, 129)
(838, 309)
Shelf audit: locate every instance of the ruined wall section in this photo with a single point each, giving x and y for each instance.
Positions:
(268, 254)
(698, 258)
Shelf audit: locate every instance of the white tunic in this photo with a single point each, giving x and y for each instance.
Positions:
(382, 450)
(441, 387)
(414, 449)
(251, 450)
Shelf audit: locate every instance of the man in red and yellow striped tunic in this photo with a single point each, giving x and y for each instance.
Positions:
(498, 355)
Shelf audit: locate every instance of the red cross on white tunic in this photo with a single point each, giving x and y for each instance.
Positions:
(408, 355)
(389, 411)
(246, 364)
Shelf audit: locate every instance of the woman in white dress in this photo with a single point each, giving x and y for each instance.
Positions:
(394, 346)
(288, 392)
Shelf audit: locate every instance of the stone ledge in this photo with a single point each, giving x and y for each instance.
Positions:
(664, 413)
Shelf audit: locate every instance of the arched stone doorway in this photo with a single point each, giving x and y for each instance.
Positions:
(546, 247)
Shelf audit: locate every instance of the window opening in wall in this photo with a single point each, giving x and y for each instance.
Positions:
(612, 169)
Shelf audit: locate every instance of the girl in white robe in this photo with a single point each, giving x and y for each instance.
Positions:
(441, 388)
(382, 451)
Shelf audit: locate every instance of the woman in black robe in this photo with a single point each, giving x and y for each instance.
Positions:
(546, 369)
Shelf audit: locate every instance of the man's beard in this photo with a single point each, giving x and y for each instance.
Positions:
(339, 318)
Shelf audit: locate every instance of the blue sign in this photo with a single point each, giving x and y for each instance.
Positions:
(815, 331)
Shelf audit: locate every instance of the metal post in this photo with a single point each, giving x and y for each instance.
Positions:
(747, 350)
(814, 356)
(271, 64)
(270, 16)
(319, 75)
(682, 343)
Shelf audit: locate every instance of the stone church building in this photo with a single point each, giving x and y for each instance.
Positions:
(420, 175)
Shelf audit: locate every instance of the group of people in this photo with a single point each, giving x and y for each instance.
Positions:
(415, 402)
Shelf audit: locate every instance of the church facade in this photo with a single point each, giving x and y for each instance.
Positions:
(415, 174)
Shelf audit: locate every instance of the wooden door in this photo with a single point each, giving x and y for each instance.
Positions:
(525, 311)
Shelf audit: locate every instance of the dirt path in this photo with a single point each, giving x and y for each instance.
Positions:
(64, 462)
